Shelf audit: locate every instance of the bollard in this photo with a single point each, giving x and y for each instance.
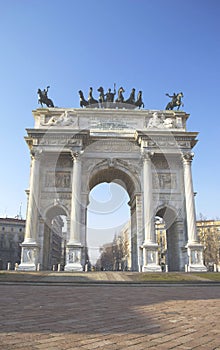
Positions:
(54, 267)
(38, 267)
(9, 266)
(16, 266)
(186, 268)
(215, 268)
(166, 268)
(58, 268)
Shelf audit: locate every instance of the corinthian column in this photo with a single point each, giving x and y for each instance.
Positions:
(150, 247)
(195, 249)
(74, 246)
(149, 234)
(30, 249)
(189, 198)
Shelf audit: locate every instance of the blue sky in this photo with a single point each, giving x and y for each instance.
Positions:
(156, 46)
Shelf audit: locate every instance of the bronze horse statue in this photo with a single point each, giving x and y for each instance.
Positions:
(82, 100)
(43, 99)
(139, 101)
(91, 100)
(176, 101)
(131, 99)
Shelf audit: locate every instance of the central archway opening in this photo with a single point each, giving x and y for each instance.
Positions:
(108, 232)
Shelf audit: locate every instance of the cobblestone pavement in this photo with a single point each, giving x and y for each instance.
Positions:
(132, 317)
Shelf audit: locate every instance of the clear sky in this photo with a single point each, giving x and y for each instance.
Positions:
(156, 46)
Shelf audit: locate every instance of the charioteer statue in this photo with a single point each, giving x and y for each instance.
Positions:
(43, 98)
(176, 101)
(107, 100)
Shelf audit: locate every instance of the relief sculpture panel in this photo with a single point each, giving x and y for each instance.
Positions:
(61, 179)
(165, 181)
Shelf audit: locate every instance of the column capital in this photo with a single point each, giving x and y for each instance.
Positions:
(187, 157)
(147, 155)
(76, 155)
(36, 153)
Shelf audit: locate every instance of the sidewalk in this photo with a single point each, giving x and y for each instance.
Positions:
(109, 316)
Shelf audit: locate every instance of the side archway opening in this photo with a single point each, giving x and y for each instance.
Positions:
(168, 238)
(54, 238)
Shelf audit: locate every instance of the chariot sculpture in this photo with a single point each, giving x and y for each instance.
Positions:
(106, 100)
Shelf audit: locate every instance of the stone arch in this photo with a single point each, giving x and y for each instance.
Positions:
(168, 212)
(56, 209)
(121, 175)
(52, 225)
(173, 239)
(115, 173)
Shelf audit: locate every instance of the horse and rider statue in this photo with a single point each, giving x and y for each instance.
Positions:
(175, 102)
(43, 98)
(106, 100)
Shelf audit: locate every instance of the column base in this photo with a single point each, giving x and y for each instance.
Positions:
(73, 257)
(197, 268)
(151, 268)
(27, 267)
(151, 258)
(195, 253)
(29, 256)
(73, 267)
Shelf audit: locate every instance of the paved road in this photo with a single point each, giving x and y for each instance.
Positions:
(134, 317)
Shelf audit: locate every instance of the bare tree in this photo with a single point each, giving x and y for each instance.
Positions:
(209, 235)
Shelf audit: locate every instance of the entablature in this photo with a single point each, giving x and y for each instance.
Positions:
(108, 119)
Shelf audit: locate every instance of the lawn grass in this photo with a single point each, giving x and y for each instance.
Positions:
(213, 276)
(175, 277)
(135, 277)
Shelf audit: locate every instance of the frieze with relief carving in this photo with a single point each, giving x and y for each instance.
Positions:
(165, 181)
(62, 120)
(61, 179)
(57, 140)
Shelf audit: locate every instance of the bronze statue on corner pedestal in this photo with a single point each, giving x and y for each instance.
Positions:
(43, 98)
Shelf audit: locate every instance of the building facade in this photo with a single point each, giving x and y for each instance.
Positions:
(11, 237)
(12, 233)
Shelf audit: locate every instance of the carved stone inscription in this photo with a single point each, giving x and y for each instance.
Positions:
(58, 179)
(112, 146)
(120, 122)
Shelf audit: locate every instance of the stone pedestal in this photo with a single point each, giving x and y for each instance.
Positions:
(73, 257)
(150, 254)
(195, 253)
(29, 257)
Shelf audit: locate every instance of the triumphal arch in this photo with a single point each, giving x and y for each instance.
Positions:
(148, 152)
